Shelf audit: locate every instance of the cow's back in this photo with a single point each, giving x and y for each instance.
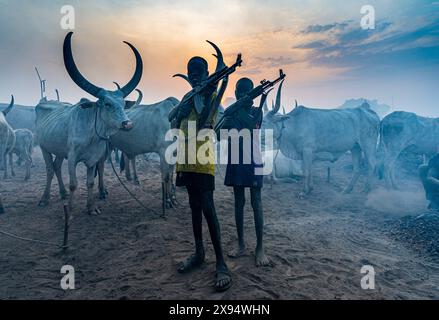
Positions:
(21, 117)
(400, 130)
(150, 125)
(52, 126)
(331, 130)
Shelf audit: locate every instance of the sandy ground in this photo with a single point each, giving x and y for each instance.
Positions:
(317, 244)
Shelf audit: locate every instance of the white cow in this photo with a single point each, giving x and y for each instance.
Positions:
(402, 130)
(305, 134)
(150, 125)
(80, 133)
(7, 139)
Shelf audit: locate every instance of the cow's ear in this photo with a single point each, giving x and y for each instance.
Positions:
(85, 104)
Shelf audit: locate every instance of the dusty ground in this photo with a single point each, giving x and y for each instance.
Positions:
(317, 244)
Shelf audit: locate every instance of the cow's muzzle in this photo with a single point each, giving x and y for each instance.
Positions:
(127, 125)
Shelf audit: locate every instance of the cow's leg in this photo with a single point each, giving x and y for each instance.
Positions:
(11, 163)
(389, 174)
(91, 208)
(392, 176)
(2, 155)
(127, 167)
(116, 155)
(356, 163)
(103, 193)
(73, 183)
(57, 167)
(2, 210)
(307, 166)
(28, 164)
(5, 163)
(370, 157)
(49, 176)
(135, 177)
(165, 170)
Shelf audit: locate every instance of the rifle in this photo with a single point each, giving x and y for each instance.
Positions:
(253, 94)
(213, 79)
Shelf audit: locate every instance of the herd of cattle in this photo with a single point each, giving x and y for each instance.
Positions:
(88, 131)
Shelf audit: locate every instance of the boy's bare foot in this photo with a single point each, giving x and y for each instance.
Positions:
(261, 259)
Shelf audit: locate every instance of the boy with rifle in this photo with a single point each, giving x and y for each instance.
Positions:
(199, 106)
(243, 116)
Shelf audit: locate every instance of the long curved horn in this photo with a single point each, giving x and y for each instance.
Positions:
(219, 56)
(265, 107)
(140, 98)
(278, 98)
(9, 108)
(134, 82)
(117, 85)
(57, 94)
(73, 71)
(183, 76)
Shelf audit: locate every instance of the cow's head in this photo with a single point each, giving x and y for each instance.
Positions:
(111, 104)
(272, 119)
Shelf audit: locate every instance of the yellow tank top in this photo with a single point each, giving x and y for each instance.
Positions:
(193, 148)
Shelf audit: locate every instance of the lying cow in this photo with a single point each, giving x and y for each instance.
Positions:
(284, 168)
(305, 133)
(7, 139)
(405, 130)
(81, 133)
(24, 144)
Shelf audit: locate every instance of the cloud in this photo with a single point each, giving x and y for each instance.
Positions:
(324, 28)
(274, 61)
(354, 47)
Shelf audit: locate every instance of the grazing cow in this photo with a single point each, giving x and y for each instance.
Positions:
(148, 135)
(306, 134)
(405, 130)
(24, 144)
(7, 139)
(80, 133)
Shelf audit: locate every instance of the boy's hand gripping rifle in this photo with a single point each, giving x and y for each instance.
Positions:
(253, 94)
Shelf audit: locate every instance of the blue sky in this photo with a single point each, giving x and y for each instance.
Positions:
(328, 58)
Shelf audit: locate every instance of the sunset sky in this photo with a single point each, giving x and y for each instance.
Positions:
(320, 45)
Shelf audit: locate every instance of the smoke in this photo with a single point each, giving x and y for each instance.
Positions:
(397, 202)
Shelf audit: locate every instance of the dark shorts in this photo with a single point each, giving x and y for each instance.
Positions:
(201, 181)
(243, 175)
